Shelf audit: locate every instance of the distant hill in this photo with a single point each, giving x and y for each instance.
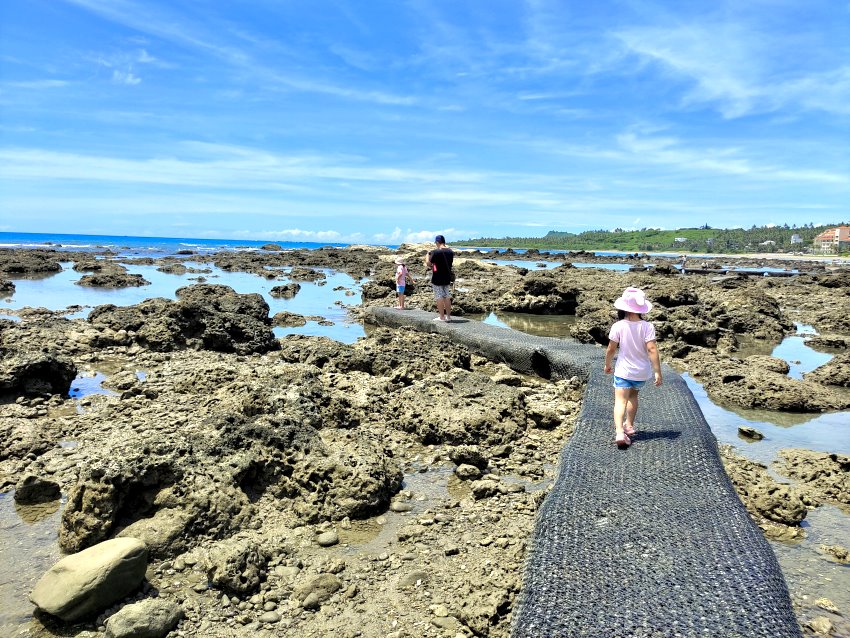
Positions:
(763, 239)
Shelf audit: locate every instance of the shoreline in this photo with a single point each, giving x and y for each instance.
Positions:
(458, 482)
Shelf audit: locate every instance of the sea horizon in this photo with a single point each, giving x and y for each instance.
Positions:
(149, 245)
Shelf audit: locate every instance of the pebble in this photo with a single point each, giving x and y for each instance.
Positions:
(327, 539)
(827, 604)
(270, 617)
(398, 506)
(820, 625)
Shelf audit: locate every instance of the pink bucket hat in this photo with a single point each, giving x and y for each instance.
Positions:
(633, 300)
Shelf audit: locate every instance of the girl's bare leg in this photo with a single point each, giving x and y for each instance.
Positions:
(631, 411)
(621, 397)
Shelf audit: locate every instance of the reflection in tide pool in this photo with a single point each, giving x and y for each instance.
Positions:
(87, 384)
(617, 267)
(825, 432)
(29, 547)
(800, 357)
(537, 325)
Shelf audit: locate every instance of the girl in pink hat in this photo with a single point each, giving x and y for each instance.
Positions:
(637, 361)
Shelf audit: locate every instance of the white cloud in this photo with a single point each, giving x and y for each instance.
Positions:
(125, 77)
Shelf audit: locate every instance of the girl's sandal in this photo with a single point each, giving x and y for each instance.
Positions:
(629, 430)
(623, 441)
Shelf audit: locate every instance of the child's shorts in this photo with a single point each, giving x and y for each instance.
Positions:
(619, 382)
(400, 289)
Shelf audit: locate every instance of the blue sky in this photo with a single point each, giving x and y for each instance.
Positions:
(383, 121)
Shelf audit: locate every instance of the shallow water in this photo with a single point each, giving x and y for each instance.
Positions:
(538, 325)
(793, 349)
(28, 545)
(546, 265)
(324, 299)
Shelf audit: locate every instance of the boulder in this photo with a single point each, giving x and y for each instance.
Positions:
(286, 319)
(287, 291)
(237, 565)
(835, 372)
(85, 583)
(150, 618)
(112, 280)
(29, 373)
(774, 364)
(469, 455)
(312, 593)
(32, 490)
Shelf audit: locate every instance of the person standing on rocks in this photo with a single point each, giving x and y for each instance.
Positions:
(637, 361)
(402, 279)
(439, 261)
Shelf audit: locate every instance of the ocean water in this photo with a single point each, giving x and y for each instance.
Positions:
(143, 246)
(325, 300)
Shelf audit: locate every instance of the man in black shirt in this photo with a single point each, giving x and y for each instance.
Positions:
(439, 261)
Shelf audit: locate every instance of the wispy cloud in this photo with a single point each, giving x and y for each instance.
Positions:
(125, 77)
(37, 84)
(736, 68)
(671, 152)
(214, 166)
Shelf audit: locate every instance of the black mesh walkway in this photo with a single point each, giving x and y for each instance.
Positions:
(648, 541)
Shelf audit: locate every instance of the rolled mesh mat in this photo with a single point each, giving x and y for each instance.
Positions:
(547, 357)
(651, 541)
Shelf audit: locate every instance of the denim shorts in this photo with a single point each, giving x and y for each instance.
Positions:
(400, 289)
(619, 382)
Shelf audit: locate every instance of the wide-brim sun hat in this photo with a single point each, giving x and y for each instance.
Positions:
(633, 300)
(400, 261)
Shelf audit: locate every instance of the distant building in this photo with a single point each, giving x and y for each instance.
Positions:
(769, 242)
(796, 239)
(832, 241)
(680, 240)
(710, 241)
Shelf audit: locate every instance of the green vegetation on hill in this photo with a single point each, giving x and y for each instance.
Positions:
(705, 239)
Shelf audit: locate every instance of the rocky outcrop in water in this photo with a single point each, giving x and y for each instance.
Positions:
(205, 316)
(112, 280)
(730, 380)
(21, 262)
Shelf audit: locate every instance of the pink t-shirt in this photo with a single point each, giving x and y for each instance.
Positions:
(632, 359)
(400, 275)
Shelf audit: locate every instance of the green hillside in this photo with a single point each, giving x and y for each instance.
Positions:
(694, 240)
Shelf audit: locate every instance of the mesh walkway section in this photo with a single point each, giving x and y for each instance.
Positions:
(547, 357)
(651, 541)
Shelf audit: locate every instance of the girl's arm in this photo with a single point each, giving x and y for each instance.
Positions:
(609, 356)
(652, 351)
